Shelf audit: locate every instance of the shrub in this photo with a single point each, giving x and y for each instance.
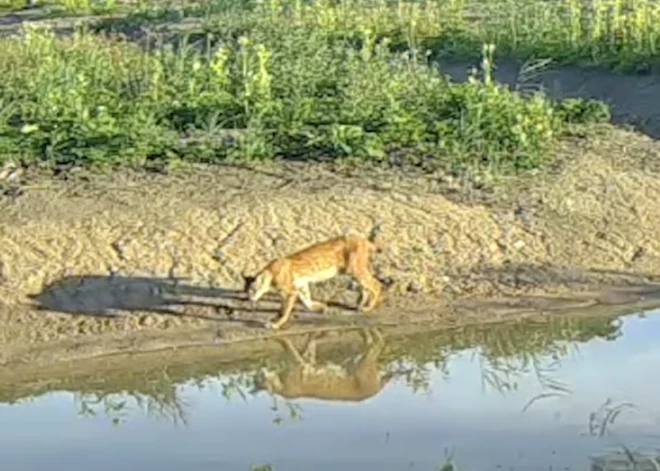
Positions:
(286, 92)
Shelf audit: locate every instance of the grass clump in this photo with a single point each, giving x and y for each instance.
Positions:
(622, 34)
(615, 33)
(279, 90)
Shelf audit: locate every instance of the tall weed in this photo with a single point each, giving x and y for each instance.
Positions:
(290, 91)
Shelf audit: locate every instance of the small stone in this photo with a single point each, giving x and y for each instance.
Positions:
(639, 253)
(387, 280)
(147, 321)
(519, 244)
(414, 287)
(11, 173)
(4, 272)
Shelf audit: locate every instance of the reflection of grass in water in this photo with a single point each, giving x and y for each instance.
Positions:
(606, 415)
(448, 465)
(507, 351)
(294, 411)
(621, 457)
(159, 399)
(242, 385)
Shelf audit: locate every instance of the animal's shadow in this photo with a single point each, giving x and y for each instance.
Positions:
(112, 296)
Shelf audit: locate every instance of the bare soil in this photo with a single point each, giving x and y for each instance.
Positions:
(94, 264)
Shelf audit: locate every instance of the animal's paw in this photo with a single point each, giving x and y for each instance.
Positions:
(365, 309)
(269, 325)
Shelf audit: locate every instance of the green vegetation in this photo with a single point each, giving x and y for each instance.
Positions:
(605, 32)
(508, 351)
(279, 79)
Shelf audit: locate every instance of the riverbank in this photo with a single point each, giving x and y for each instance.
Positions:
(94, 263)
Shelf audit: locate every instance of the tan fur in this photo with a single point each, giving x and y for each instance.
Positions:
(351, 381)
(347, 254)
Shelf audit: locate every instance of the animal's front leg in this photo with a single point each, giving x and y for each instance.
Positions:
(288, 345)
(258, 295)
(256, 287)
(285, 314)
(363, 297)
(307, 300)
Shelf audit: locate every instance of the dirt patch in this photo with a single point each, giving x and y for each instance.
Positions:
(94, 264)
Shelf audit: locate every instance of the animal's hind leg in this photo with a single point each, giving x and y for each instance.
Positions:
(368, 284)
(379, 336)
(306, 298)
(372, 285)
(367, 338)
(371, 336)
(358, 268)
(377, 344)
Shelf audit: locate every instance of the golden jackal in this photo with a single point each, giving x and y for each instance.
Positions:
(348, 254)
(356, 379)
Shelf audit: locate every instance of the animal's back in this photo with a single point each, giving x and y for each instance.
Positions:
(328, 256)
(329, 384)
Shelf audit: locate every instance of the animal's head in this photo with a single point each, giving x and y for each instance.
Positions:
(268, 381)
(249, 285)
(252, 285)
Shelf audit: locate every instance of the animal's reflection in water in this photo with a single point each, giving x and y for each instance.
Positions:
(355, 379)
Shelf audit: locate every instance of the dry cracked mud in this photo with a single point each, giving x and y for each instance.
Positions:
(99, 264)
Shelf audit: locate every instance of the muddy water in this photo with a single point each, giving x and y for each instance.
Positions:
(521, 396)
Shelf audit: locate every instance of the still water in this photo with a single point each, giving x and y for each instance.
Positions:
(525, 397)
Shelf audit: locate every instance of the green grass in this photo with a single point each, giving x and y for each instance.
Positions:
(613, 33)
(281, 89)
(290, 79)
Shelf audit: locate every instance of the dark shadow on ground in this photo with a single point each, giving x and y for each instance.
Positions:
(520, 274)
(112, 296)
(590, 290)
